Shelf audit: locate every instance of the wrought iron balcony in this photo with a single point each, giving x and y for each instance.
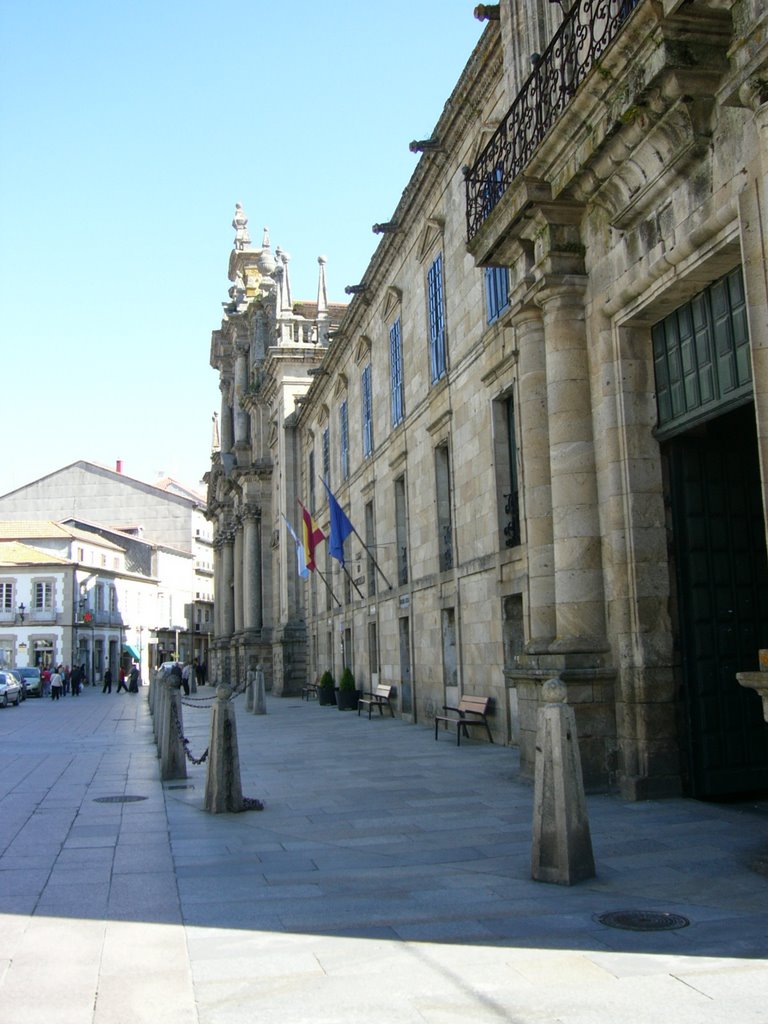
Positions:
(586, 32)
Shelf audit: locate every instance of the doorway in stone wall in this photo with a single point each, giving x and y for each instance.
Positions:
(721, 570)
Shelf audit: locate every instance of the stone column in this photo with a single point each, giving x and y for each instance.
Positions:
(537, 492)
(227, 585)
(252, 608)
(241, 386)
(217, 585)
(237, 587)
(227, 433)
(580, 609)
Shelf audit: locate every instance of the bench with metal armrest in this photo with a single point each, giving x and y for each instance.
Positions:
(471, 711)
(378, 698)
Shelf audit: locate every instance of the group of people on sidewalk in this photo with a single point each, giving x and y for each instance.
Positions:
(61, 680)
(128, 681)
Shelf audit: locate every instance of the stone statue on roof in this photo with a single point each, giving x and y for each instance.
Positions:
(240, 224)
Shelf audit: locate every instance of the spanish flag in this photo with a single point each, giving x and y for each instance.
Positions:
(312, 535)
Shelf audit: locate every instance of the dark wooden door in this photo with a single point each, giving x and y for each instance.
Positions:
(722, 574)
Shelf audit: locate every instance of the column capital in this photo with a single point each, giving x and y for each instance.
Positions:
(558, 290)
(251, 511)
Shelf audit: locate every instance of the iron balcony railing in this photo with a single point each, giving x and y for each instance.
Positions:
(586, 32)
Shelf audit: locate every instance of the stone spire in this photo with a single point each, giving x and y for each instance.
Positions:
(266, 261)
(240, 224)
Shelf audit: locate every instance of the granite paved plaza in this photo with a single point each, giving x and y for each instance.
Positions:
(387, 880)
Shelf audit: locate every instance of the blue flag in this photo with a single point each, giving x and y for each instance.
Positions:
(340, 527)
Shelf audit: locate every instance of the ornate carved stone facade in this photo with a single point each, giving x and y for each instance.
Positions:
(263, 351)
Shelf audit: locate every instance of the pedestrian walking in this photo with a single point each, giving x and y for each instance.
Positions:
(121, 684)
(185, 674)
(45, 675)
(57, 684)
(133, 680)
(107, 687)
(74, 681)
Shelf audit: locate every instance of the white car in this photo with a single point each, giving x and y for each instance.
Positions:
(10, 690)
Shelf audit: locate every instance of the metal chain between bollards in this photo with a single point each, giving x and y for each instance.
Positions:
(200, 702)
(185, 741)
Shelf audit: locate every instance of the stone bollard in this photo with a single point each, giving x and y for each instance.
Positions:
(260, 696)
(173, 761)
(250, 690)
(562, 846)
(223, 790)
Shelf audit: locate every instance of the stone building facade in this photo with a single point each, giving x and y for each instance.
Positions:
(163, 536)
(544, 408)
(265, 352)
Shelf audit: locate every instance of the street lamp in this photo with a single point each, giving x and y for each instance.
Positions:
(22, 611)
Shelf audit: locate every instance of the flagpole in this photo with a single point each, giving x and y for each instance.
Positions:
(352, 528)
(327, 584)
(346, 570)
(371, 556)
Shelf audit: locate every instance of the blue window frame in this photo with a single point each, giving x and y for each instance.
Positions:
(496, 291)
(437, 353)
(344, 439)
(396, 373)
(367, 407)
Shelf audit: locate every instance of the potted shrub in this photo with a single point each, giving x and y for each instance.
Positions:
(326, 688)
(348, 694)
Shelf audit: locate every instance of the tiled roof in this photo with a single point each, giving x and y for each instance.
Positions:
(14, 553)
(47, 529)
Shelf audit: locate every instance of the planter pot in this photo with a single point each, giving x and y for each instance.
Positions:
(346, 700)
(324, 696)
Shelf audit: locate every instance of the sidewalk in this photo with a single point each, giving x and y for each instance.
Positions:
(387, 881)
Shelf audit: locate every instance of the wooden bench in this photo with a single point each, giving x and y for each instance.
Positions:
(379, 698)
(468, 706)
(309, 691)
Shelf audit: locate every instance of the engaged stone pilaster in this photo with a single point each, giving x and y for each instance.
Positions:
(561, 851)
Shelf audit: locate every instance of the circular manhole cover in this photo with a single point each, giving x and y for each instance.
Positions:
(117, 799)
(643, 920)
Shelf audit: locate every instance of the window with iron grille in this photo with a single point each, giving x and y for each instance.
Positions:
(370, 543)
(701, 355)
(437, 346)
(396, 373)
(496, 291)
(401, 531)
(367, 408)
(327, 456)
(311, 479)
(344, 439)
(505, 460)
(43, 596)
(444, 512)
(6, 597)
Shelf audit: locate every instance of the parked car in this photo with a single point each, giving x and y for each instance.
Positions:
(10, 690)
(32, 680)
(17, 676)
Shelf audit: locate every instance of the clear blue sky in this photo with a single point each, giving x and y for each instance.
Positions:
(129, 132)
